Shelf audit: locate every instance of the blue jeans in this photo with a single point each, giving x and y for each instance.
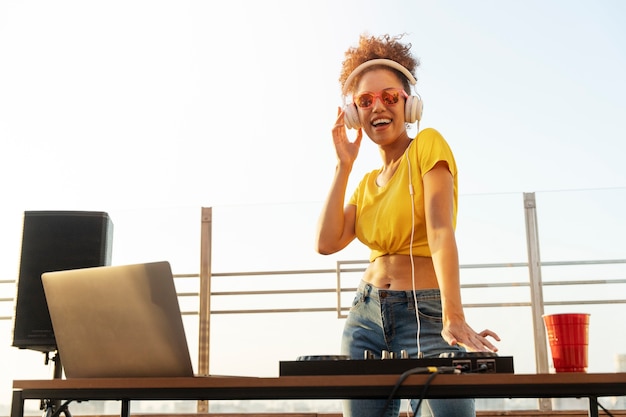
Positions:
(385, 320)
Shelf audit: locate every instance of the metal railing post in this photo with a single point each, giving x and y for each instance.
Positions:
(536, 290)
(204, 322)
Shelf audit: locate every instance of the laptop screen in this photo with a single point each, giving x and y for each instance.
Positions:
(118, 321)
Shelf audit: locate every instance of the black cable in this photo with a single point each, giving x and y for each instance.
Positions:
(608, 413)
(420, 370)
(426, 385)
(433, 373)
(63, 408)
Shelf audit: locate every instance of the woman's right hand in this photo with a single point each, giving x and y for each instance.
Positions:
(346, 151)
(336, 224)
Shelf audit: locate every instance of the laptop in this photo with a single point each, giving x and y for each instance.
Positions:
(118, 321)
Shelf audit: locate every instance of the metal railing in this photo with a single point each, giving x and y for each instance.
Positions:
(197, 303)
(340, 309)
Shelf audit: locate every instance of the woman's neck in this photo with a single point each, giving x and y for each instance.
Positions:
(393, 152)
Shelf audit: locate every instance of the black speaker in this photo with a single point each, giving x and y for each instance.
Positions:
(54, 241)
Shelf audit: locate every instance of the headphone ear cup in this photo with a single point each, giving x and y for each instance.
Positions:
(351, 117)
(413, 109)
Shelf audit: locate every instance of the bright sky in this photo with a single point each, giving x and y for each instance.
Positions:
(159, 103)
(155, 104)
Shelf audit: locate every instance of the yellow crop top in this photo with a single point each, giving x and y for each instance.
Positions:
(383, 214)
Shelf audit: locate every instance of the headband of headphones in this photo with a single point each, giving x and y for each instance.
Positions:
(372, 62)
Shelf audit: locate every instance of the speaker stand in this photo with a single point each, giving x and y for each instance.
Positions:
(54, 408)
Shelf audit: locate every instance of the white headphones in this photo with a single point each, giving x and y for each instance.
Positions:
(412, 108)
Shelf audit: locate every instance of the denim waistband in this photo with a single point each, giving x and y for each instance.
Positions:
(368, 290)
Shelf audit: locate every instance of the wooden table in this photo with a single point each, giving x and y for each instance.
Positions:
(572, 385)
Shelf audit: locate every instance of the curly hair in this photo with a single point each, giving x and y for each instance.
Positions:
(372, 47)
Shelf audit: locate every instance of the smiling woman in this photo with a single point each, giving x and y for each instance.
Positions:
(409, 299)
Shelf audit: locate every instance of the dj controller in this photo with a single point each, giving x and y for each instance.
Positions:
(389, 364)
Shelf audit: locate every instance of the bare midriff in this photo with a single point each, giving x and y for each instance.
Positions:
(394, 272)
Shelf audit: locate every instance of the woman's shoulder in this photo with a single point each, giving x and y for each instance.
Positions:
(429, 133)
(429, 138)
(431, 147)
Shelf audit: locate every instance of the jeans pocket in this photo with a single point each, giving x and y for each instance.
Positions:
(430, 310)
(358, 300)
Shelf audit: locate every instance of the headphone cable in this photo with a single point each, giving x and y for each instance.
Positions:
(411, 192)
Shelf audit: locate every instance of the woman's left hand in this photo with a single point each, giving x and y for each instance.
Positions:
(460, 333)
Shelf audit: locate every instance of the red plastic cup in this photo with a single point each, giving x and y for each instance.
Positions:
(568, 336)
